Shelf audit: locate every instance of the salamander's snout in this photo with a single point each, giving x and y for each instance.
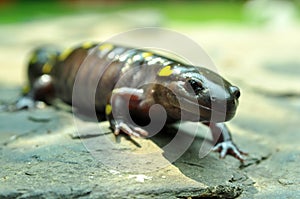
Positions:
(235, 91)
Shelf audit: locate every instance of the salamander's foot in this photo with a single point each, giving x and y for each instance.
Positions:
(229, 148)
(129, 130)
(25, 103)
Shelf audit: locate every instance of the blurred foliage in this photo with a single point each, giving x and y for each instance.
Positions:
(193, 11)
(12, 11)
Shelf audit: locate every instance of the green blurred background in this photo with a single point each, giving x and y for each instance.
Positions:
(13, 11)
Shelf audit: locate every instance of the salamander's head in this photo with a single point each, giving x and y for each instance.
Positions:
(199, 93)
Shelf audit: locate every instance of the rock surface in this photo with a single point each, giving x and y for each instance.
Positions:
(48, 153)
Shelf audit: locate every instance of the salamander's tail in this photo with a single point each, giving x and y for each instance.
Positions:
(39, 86)
(41, 61)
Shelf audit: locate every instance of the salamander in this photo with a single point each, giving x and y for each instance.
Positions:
(118, 80)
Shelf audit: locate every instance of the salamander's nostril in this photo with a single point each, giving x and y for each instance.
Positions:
(235, 91)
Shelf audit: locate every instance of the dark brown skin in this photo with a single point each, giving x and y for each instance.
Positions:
(116, 77)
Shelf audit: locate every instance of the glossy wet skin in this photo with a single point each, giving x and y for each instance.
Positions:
(198, 94)
(186, 92)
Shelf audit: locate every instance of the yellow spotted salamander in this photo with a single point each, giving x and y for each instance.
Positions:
(118, 80)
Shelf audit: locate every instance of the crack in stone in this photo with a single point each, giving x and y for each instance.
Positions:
(192, 164)
(255, 161)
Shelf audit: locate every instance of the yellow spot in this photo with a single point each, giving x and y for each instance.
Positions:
(87, 45)
(33, 58)
(146, 54)
(108, 109)
(65, 54)
(166, 71)
(47, 68)
(106, 47)
(116, 90)
(26, 89)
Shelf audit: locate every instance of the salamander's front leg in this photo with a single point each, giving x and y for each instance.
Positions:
(118, 109)
(224, 144)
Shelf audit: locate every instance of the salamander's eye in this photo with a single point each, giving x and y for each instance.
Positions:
(196, 85)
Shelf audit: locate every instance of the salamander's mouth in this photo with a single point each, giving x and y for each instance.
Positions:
(197, 112)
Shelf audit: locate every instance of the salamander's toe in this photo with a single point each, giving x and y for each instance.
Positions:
(229, 148)
(130, 130)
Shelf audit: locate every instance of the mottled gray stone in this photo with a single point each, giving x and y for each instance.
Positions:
(45, 160)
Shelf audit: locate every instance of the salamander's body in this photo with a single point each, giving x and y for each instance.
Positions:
(115, 80)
